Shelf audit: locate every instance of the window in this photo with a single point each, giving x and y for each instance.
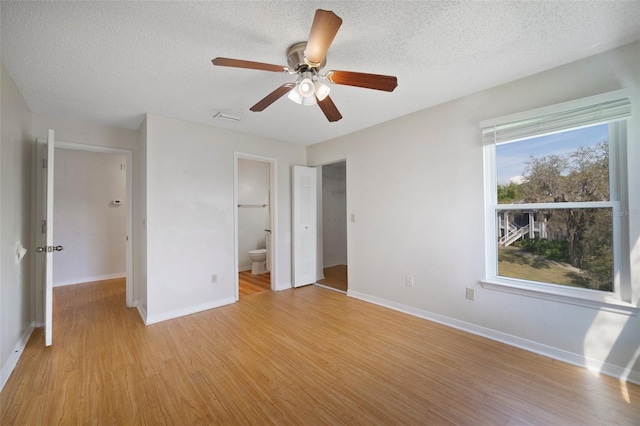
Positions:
(554, 190)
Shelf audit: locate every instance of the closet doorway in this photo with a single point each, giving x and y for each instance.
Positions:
(333, 214)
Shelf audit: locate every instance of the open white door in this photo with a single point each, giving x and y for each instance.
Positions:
(48, 288)
(304, 225)
(48, 249)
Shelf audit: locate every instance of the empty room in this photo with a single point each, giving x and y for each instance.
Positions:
(279, 212)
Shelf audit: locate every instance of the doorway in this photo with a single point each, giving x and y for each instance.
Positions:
(255, 192)
(334, 226)
(89, 216)
(120, 203)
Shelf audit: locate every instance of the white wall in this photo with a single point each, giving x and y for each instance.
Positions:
(253, 189)
(415, 185)
(86, 222)
(190, 213)
(16, 147)
(334, 214)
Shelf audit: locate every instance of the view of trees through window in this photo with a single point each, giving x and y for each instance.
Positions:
(566, 246)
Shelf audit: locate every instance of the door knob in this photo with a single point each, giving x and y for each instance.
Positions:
(49, 249)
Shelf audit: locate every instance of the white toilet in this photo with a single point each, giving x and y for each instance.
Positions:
(258, 261)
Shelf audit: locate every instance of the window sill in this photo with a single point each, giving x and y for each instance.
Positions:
(524, 289)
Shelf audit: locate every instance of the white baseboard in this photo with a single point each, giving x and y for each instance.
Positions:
(330, 288)
(152, 319)
(284, 286)
(508, 339)
(89, 279)
(141, 311)
(244, 268)
(11, 363)
(331, 265)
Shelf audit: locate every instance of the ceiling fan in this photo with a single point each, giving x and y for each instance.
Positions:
(306, 59)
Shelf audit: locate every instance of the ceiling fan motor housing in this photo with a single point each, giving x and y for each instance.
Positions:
(295, 58)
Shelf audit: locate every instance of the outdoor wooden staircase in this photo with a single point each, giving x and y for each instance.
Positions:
(513, 234)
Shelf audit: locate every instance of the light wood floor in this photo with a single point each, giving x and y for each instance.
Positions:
(307, 356)
(335, 277)
(253, 284)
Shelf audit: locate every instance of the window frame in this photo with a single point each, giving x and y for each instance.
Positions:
(619, 300)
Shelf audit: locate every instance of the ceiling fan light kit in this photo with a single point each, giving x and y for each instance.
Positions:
(322, 90)
(306, 59)
(309, 100)
(306, 87)
(296, 97)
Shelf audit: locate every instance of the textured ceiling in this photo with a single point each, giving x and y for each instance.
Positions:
(112, 62)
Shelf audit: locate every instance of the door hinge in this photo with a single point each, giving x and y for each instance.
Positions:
(44, 226)
(44, 163)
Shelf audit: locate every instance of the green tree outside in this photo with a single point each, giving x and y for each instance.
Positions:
(580, 236)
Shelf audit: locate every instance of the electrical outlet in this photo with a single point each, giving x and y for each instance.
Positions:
(409, 281)
(214, 278)
(470, 295)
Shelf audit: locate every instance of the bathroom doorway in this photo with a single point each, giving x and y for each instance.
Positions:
(255, 219)
(333, 214)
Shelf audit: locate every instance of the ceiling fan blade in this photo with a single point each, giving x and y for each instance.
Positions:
(323, 30)
(272, 97)
(359, 79)
(329, 108)
(239, 63)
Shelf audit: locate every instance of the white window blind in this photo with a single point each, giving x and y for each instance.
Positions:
(539, 125)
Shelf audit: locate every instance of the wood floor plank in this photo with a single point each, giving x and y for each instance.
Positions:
(335, 277)
(302, 356)
(253, 284)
